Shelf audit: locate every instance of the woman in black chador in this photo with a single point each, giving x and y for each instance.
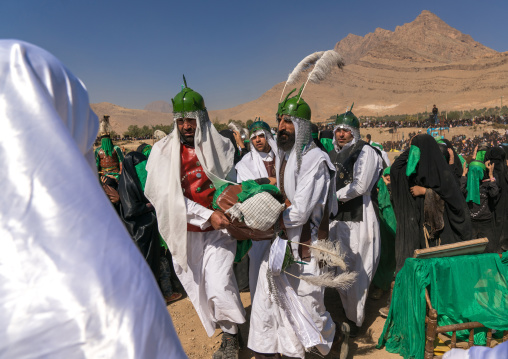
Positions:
(497, 156)
(428, 203)
(136, 211)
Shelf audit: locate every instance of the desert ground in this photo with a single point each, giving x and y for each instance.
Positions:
(197, 345)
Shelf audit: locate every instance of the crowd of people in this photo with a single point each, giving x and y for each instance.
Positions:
(430, 122)
(300, 210)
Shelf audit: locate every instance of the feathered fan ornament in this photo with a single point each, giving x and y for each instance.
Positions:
(330, 254)
(323, 62)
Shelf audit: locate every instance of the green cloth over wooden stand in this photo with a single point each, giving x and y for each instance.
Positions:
(471, 288)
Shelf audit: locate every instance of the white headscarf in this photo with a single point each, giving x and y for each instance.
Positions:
(251, 166)
(163, 185)
(72, 282)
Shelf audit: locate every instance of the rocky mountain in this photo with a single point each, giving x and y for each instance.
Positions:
(421, 63)
(407, 70)
(121, 117)
(159, 106)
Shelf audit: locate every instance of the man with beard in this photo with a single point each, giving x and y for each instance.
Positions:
(359, 167)
(303, 175)
(258, 163)
(184, 169)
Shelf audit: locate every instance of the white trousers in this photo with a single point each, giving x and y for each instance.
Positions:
(256, 254)
(361, 242)
(270, 330)
(210, 282)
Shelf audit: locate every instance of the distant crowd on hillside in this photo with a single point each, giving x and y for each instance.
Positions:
(444, 122)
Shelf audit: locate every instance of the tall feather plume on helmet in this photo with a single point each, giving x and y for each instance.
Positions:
(323, 61)
(105, 126)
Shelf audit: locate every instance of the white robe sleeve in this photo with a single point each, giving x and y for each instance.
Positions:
(197, 215)
(311, 191)
(365, 173)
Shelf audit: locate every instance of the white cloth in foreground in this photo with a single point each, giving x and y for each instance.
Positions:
(308, 191)
(73, 284)
(498, 352)
(360, 240)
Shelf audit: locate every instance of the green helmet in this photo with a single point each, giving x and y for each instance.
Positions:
(259, 125)
(188, 100)
(348, 119)
(294, 106)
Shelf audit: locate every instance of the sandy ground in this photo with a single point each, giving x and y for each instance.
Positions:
(197, 345)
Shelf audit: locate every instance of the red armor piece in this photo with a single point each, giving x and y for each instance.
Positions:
(109, 163)
(195, 184)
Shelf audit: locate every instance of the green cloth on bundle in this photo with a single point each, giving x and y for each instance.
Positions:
(387, 227)
(471, 288)
(413, 159)
(327, 144)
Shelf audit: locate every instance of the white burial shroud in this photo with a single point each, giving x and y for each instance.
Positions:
(72, 282)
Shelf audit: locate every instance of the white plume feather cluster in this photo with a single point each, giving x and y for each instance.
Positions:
(104, 125)
(329, 252)
(234, 127)
(303, 65)
(342, 281)
(329, 60)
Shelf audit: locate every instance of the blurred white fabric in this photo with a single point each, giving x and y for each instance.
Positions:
(72, 282)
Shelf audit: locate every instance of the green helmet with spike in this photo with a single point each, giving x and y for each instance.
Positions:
(188, 100)
(294, 106)
(348, 119)
(259, 125)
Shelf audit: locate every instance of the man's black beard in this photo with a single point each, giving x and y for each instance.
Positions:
(285, 144)
(186, 141)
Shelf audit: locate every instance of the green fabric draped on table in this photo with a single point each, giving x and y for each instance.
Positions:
(471, 288)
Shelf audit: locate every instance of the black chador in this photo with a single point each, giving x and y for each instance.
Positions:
(442, 211)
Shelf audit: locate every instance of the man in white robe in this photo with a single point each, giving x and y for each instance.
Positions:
(303, 176)
(258, 163)
(73, 283)
(358, 167)
(184, 169)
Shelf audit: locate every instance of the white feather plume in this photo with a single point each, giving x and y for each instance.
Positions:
(328, 61)
(303, 65)
(234, 127)
(329, 252)
(342, 281)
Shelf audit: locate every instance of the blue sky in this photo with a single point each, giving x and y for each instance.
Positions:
(131, 53)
